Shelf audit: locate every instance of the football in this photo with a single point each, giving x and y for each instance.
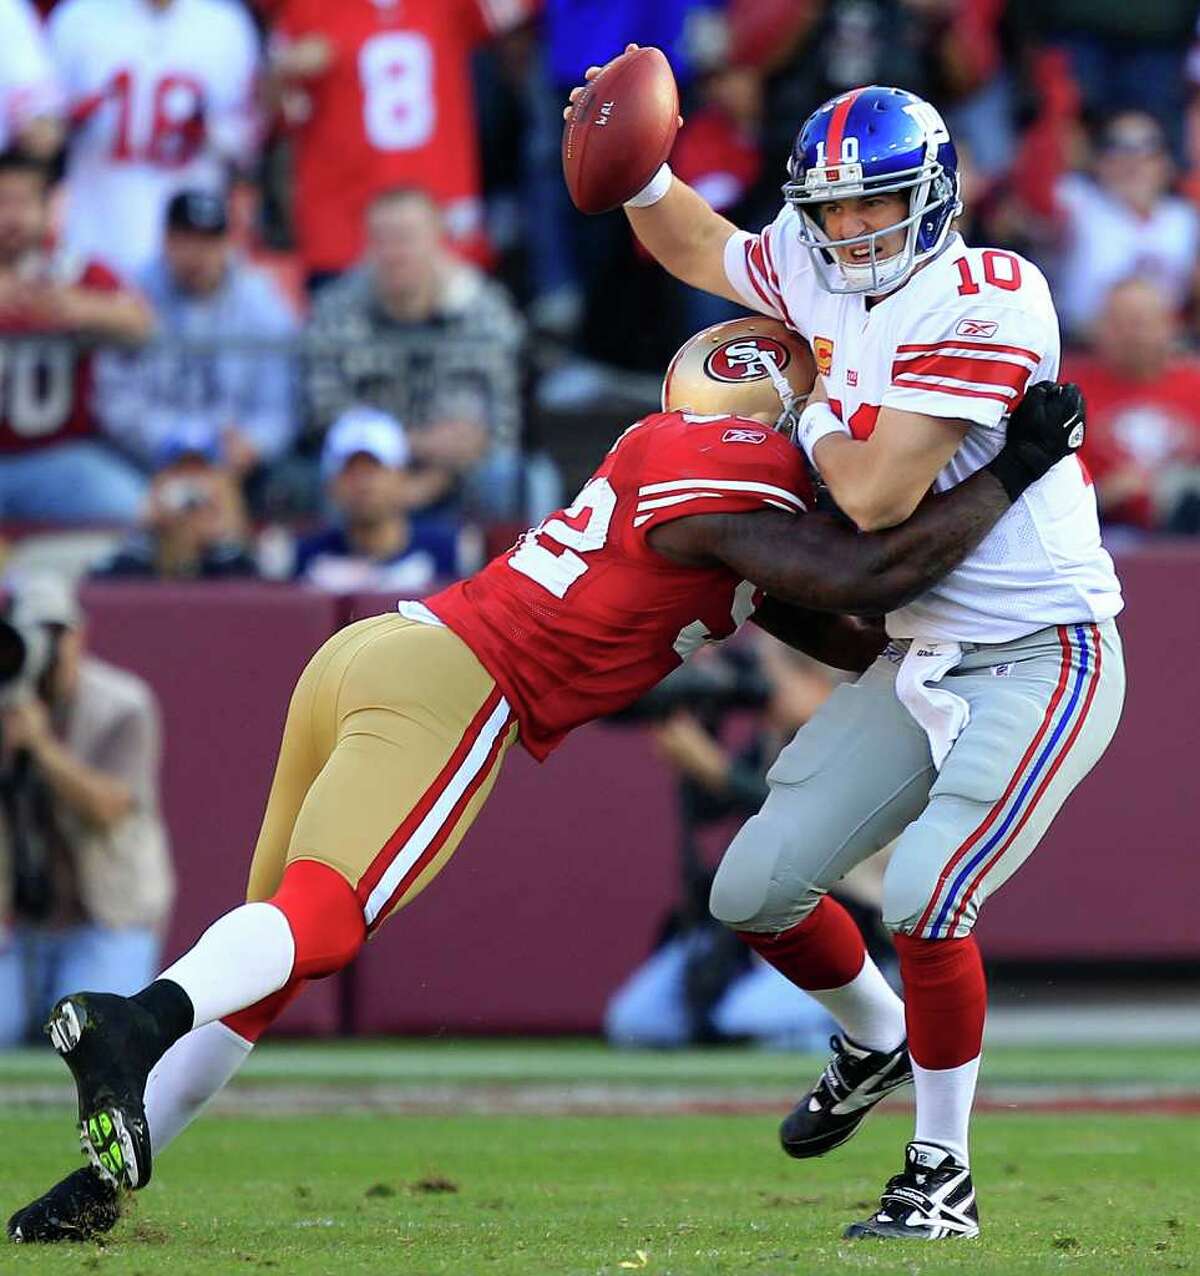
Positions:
(620, 130)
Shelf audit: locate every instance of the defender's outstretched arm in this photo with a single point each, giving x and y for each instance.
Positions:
(816, 561)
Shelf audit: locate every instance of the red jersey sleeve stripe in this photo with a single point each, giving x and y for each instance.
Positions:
(953, 343)
(982, 372)
(772, 273)
(756, 271)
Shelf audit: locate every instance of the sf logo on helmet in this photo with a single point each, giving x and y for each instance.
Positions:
(741, 359)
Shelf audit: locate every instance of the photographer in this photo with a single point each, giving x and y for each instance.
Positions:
(85, 873)
(702, 984)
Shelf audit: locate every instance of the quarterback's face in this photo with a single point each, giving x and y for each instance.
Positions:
(853, 217)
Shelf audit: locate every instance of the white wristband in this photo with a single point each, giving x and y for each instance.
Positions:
(816, 421)
(653, 190)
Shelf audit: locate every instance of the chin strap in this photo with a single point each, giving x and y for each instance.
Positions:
(793, 403)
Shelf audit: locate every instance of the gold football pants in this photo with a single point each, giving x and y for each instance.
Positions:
(393, 740)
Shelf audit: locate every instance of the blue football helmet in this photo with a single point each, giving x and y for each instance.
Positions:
(874, 141)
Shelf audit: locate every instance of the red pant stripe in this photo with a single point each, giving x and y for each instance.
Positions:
(379, 865)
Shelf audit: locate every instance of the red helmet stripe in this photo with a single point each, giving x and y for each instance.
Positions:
(837, 126)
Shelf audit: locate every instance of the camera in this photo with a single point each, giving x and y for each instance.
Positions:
(184, 496)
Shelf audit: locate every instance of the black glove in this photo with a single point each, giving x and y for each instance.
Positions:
(1047, 427)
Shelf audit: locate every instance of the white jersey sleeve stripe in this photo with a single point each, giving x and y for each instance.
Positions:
(723, 485)
(989, 346)
(663, 502)
(959, 352)
(936, 385)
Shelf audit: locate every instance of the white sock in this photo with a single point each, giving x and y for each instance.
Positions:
(867, 1009)
(183, 1081)
(240, 959)
(944, 1098)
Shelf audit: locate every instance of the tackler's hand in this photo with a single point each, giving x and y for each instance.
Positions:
(1047, 427)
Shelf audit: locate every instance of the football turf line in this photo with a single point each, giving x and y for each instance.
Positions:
(409, 1061)
(519, 1196)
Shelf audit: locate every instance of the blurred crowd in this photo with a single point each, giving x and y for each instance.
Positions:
(293, 288)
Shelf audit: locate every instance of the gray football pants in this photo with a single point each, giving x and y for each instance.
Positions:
(859, 774)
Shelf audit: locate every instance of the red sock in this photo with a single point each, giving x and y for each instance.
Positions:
(328, 928)
(945, 999)
(325, 915)
(825, 950)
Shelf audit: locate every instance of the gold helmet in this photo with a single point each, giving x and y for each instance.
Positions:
(752, 367)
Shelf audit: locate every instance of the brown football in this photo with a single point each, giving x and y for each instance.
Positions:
(620, 130)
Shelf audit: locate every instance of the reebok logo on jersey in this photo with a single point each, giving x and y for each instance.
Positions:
(976, 328)
(851, 376)
(743, 436)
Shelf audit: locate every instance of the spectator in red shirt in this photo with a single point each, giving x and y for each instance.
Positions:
(54, 466)
(1143, 395)
(379, 93)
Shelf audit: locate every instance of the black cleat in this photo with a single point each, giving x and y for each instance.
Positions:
(853, 1082)
(110, 1045)
(932, 1200)
(83, 1205)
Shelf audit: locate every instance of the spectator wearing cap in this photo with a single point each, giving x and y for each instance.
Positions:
(195, 522)
(85, 872)
(434, 343)
(1143, 397)
(376, 542)
(223, 356)
(1122, 220)
(55, 465)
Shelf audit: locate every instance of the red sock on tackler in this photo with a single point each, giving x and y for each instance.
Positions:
(325, 915)
(945, 999)
(825, 950)
(327, 924)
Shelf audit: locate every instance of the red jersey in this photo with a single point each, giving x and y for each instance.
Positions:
(46, 387)
(1149, 423)
(582, 616)
(394, 108)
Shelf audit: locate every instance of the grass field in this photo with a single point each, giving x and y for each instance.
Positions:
(564, 1158)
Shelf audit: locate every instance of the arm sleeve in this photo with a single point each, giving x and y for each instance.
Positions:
(770, 271)
(727, 466)
(968, 365)
(129, 752)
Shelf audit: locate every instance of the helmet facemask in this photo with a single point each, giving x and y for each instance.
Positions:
(932, 205)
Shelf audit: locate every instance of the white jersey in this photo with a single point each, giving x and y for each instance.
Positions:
(28, 88)
(963, 338)
(1107, 242)
(160, 98)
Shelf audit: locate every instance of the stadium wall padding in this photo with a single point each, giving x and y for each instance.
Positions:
(561, 887)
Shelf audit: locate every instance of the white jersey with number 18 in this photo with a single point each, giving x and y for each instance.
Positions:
(963, 338)
(160, 98)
